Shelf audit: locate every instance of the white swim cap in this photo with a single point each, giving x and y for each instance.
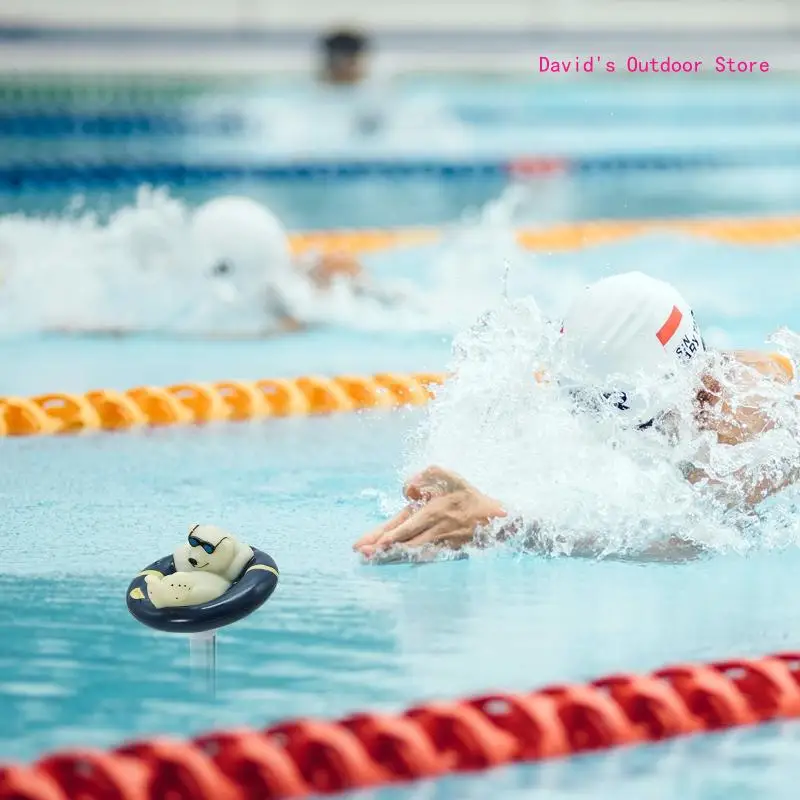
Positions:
(240, 240)
(627, 332)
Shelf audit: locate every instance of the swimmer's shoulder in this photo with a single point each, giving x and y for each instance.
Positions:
(776, 366)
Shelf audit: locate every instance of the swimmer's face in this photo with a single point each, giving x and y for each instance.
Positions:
(345, 68)
(627, 408)
(236, 271)
(706, 404)
(224, 268)
(713, 412)
(233, 281)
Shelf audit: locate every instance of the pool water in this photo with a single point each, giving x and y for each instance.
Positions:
(377, 201)
(423, 119)
(83, 514)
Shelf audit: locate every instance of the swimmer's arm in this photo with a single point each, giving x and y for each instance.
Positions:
(750, 489)
(385, 296)
(323, 269)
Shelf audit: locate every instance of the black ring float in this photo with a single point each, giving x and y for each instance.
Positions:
(248, 593)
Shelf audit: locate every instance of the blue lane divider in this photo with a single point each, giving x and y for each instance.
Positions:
(119, 124)
(14, 177)
(113, 174)
(31, 125)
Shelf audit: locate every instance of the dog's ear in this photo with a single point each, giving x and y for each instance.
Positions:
(193, 528)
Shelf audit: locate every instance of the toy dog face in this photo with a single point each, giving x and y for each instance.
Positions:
(209, 549)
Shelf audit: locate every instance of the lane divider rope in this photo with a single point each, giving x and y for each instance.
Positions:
(573, 236)
(23, 169)
(305, 757)
(199, 403)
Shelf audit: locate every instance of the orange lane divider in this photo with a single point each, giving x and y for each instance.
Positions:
(197, 403)
(306, 757)
(771, 231)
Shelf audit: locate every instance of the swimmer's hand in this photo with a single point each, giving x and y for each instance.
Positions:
(443, 510)
(330, 266)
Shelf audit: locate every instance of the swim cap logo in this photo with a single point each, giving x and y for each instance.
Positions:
(691, 344)
(667, 330)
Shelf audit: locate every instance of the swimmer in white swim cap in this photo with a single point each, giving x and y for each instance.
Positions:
(620, 333)
(234, 275)
(621, 337)
(244, 250)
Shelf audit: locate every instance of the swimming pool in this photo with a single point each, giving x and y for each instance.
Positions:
(84, 513)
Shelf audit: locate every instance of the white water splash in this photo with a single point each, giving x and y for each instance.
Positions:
(149, 268)
(587, 476)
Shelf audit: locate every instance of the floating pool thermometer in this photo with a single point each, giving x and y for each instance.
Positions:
(210, 581)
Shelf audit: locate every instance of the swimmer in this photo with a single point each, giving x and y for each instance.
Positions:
(239, 269)
(344, 58)
(243, 250)
(626, 325)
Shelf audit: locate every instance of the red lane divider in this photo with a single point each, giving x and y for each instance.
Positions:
(304, 757)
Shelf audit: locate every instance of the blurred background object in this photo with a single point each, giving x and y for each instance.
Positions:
(422, 111)
(344, 58)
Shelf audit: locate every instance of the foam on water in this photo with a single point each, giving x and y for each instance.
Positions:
(591, 482)
(146, 269)
(149, 267)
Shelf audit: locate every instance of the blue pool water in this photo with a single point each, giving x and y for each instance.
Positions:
(376, 201)
(422, 120)
(83, 514)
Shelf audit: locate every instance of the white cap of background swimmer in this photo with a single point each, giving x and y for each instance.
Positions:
(630, 330)
(240, 241)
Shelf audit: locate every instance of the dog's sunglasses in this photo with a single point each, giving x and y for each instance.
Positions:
(207, 546)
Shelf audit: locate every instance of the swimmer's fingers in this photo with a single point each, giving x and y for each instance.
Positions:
(440, 537)
(431, 520)
(386, 550)
(407, 555)
(448, 520)
(455, 540)
(374, 535)
(432, 482)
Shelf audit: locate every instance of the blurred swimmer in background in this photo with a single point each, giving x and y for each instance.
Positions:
(345, 77)
(630, 347)
(354, 99)
(244, 250)
(344, 58)
(226, 270)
